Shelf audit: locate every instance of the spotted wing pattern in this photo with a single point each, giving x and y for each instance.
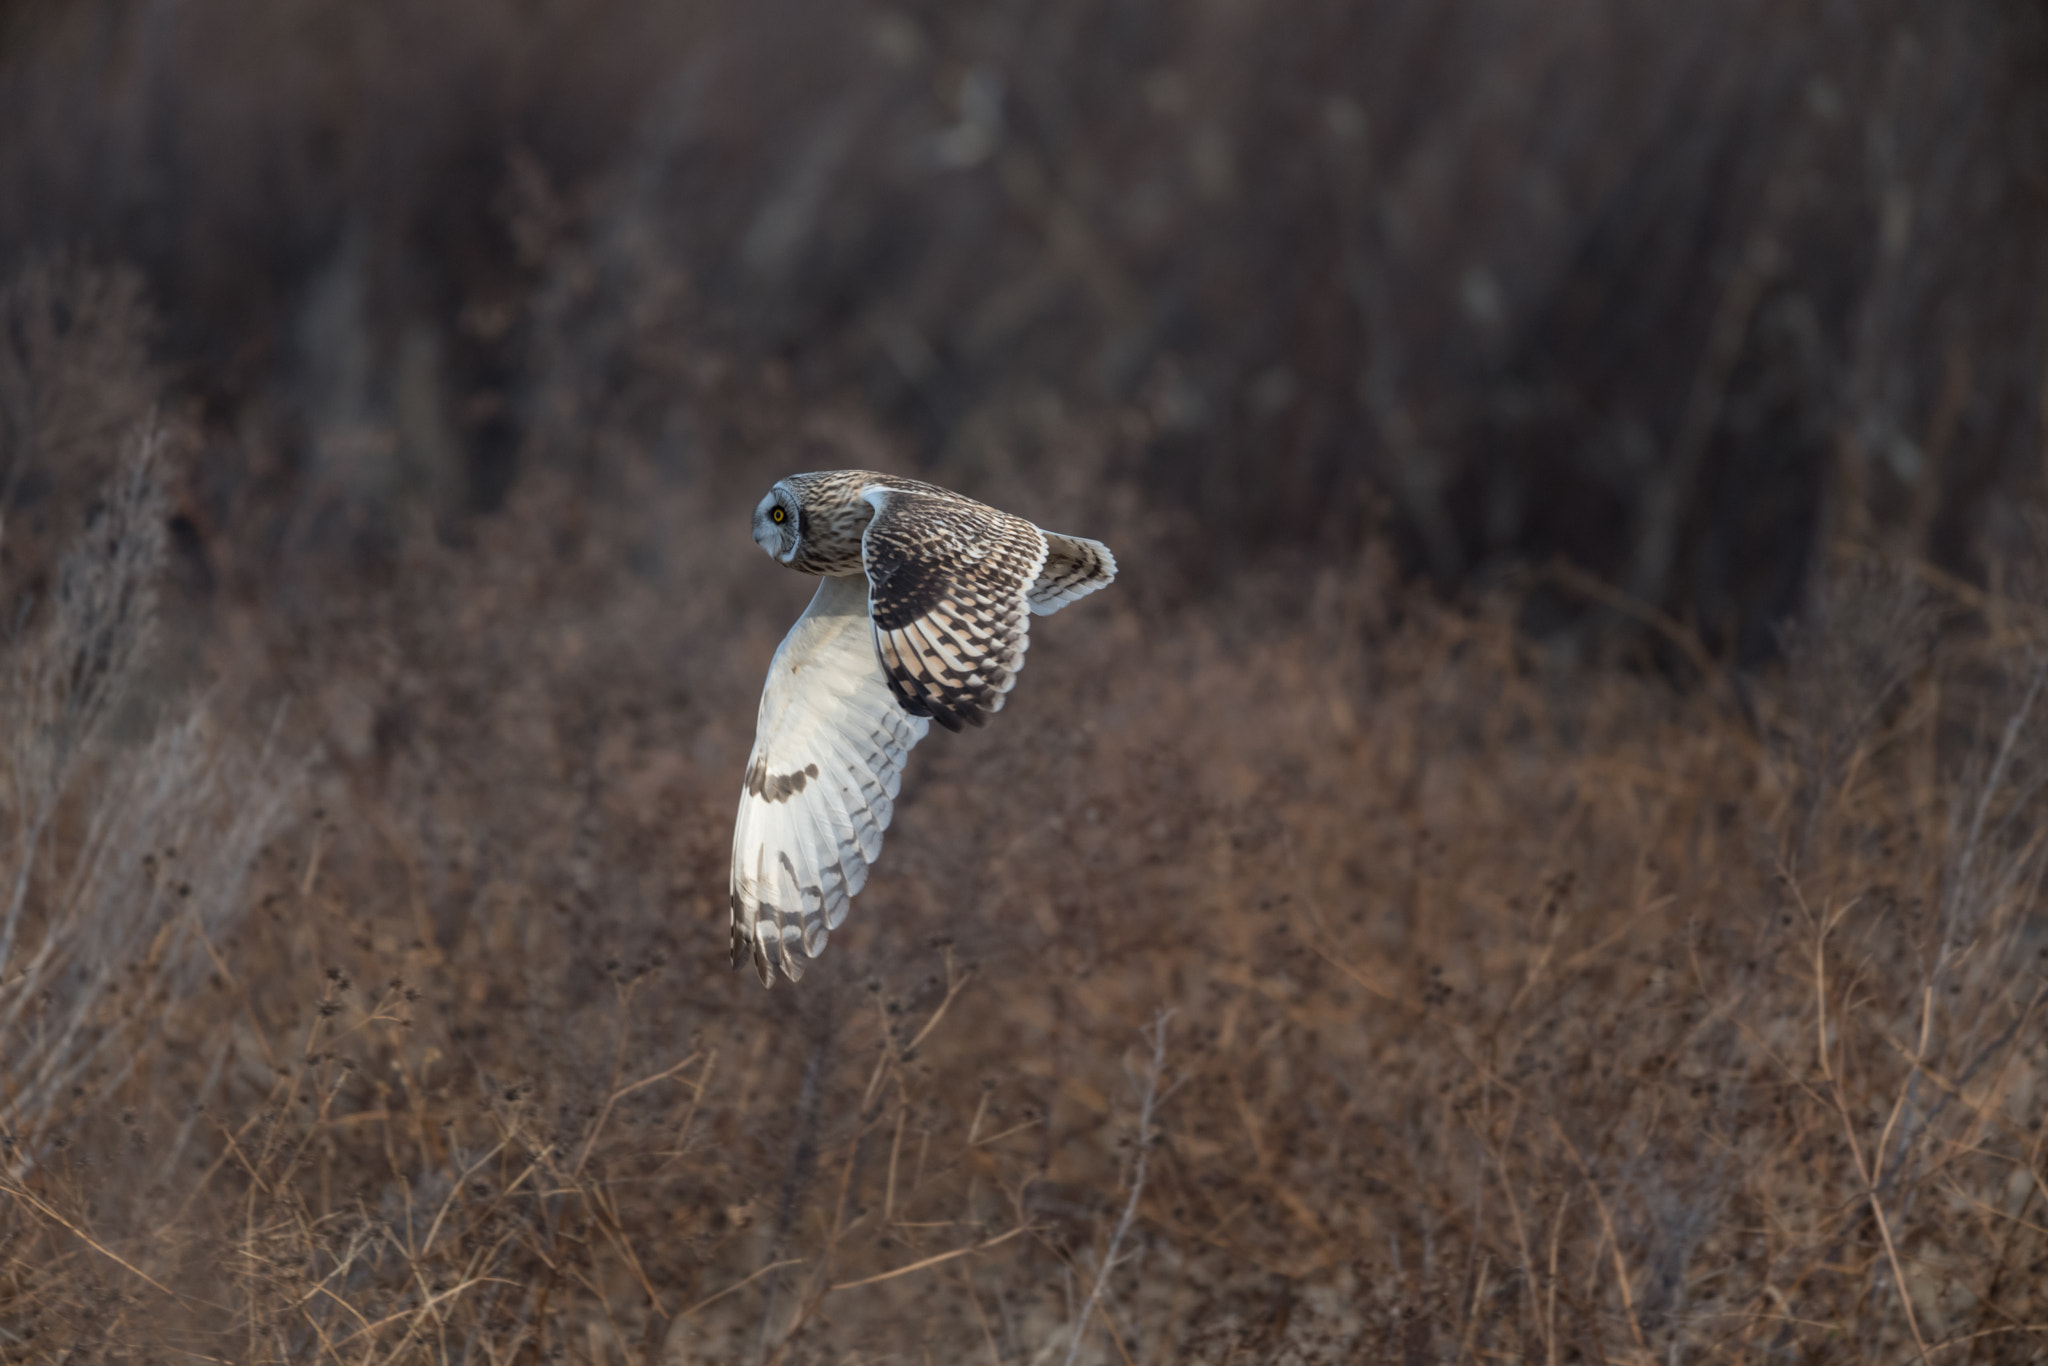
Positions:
(947, 585)
(821, 784)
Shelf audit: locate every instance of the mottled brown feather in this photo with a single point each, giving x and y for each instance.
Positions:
(947, 584)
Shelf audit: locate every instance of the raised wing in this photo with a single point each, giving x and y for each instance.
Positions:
(947, 580)
(821, 783)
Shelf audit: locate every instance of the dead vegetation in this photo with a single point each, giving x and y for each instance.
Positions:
(1312, 964)
(1516, 1007)
(1683, 298)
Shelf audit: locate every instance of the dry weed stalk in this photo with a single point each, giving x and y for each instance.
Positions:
(1150, 1095)
(127, 856)
(97, 628)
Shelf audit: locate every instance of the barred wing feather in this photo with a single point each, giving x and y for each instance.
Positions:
(1074, 567)
(947, 585)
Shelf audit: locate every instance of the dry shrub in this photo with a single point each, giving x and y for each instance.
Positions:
(1682, 297)
(134, 821)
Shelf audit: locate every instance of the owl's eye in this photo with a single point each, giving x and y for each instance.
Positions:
(778, 516)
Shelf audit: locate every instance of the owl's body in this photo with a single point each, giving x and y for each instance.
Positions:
(923, 616)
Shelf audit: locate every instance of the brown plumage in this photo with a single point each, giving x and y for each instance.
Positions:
(923, 616)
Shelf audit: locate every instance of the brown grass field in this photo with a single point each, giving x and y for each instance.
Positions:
(1313, 974)
(1470, 892)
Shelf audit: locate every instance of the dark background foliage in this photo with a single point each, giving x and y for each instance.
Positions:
(1679, 296)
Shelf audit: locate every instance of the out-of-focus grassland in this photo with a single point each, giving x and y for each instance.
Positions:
(1361, 937)
(1515, 1007)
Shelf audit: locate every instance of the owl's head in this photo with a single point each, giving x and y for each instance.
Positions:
(813, 522)
(779, 523)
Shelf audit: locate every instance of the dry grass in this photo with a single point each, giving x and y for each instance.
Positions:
(1519, 1007)
(1309, 966)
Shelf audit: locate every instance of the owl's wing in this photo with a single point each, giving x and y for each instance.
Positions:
(821, 783)
(1074, 567)
(947, 579)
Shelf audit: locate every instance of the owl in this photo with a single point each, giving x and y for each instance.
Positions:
(922, 614)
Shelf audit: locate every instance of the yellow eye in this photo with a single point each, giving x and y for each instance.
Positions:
(778, 516)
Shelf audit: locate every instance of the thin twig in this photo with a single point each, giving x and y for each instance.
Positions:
(1123, 1223)
(710, 1300)
(22, 1194)
(934, 1260)
(1613, 1238)
(1864, 1172)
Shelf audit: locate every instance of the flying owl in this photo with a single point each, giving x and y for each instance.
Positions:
(922, 616)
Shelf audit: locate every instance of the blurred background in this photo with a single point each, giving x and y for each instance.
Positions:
(1534, 859)
(1678, 297)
